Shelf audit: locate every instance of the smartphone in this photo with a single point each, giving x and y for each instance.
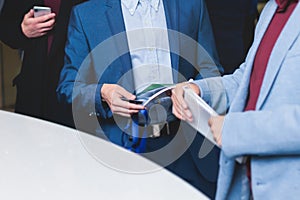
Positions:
(41, 10)
(132, 101)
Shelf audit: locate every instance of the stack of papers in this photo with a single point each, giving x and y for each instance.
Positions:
(201, 112)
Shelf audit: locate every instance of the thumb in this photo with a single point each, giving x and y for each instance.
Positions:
(210, 121)
(30, 14)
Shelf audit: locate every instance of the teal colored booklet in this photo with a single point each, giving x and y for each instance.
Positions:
(158, 105)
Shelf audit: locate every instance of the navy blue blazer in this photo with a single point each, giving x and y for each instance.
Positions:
(94, 22)
(92, 25)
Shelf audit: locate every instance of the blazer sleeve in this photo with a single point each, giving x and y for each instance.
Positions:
(209, 65)
(219, 92)
(78, 84)
(262, 133)
(10, 22)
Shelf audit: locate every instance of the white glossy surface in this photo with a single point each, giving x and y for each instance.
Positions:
(41, 160)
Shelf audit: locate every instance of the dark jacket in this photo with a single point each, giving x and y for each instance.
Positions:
(38, 78)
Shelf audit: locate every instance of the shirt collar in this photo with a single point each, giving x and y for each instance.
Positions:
(132, 5)
(155, 4)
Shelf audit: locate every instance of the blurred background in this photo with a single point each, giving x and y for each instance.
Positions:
(10, 63)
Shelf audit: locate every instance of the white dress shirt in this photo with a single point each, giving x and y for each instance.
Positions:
(143, 19)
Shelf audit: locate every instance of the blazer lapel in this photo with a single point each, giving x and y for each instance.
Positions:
(172, 15)
(283, 44)
(258, 37)
(239, 101)
(116, 23)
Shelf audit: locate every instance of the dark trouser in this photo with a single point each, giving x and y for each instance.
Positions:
(185, 166)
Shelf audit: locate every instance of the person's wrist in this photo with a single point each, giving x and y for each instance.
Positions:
(103, 91)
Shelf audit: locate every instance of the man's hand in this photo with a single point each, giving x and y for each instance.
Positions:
(216, 127)
(112, 94)
(180, 108)
(34, 27)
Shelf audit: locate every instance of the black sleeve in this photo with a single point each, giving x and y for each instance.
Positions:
(11, 18)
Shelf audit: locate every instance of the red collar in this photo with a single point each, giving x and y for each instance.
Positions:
(283, 4)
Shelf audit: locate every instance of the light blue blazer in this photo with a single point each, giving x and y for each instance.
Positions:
(271, 134)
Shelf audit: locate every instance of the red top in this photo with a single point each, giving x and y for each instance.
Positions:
(265, 48)
(54, 5)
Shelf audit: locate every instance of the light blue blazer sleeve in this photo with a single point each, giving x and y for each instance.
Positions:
(208, 67)
(273, 128)
(219, 92)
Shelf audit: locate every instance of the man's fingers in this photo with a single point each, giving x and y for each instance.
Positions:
(178, 96)
(210, 122)
(44, 31)
(41, 34)
(133, 106)
(180, 108)
(127, 105)
(177, 114)
(45, 18)
(216, 126)
(123, 111)
(39, 26)
(176, 107)
(117, 101)
(181, 113)
(120, 106)
(47, 24)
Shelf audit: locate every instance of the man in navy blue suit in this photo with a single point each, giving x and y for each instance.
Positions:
(148, 53)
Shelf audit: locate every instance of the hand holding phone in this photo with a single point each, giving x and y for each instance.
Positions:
(37, 22)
